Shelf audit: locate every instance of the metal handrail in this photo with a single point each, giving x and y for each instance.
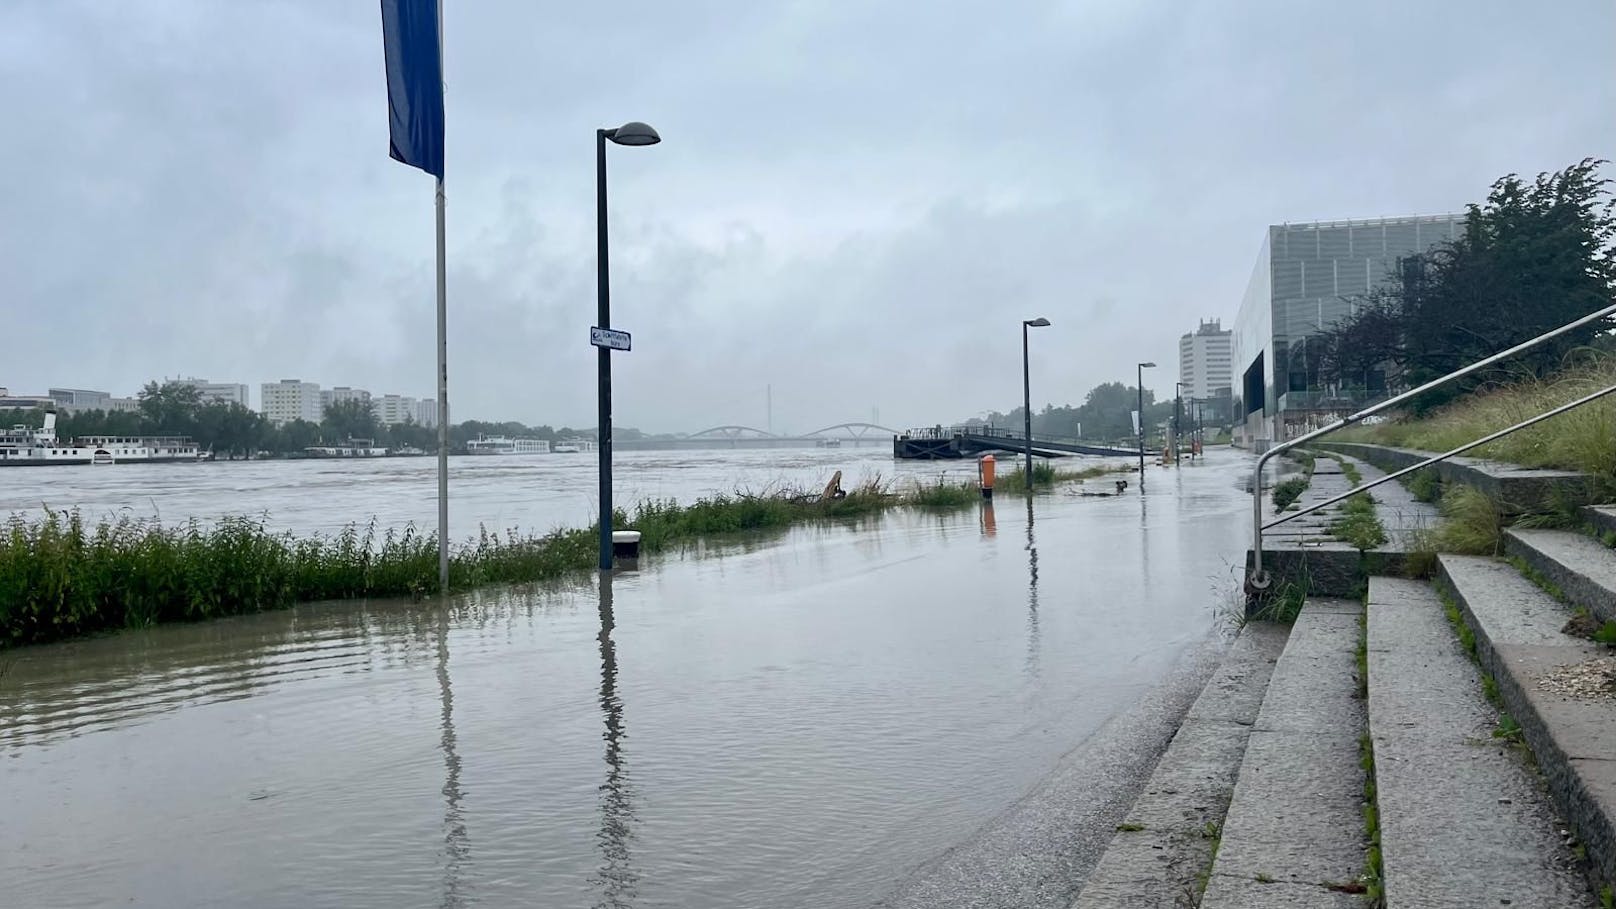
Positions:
(1290, 515)
(1258, 579)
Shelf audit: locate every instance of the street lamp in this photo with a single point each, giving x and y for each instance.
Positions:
(1140, 386)
(631, 133)
(1178, 424)
(1026, 389)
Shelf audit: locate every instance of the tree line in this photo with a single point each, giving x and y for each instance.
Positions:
(232, 431)
(1106, 414)
(1536, 255)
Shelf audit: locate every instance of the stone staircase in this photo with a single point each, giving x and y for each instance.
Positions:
(1440, 743)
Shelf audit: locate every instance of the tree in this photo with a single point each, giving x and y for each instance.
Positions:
(1531, 258)
(346, 420)
(170, 408)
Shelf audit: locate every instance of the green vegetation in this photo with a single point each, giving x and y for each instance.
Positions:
(1536, 255)
(1508, 730)
(1288, 491)
(1579, 439)
(1045, 474)
(60, 579)
(1425, 484)
(1374, 868)
(1606, 634)
(944, 495)
(1284, 603)
(1471, 523)
(1467, 638)
(1357, 523)
(1130, 828)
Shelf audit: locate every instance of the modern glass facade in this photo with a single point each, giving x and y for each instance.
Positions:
(1307, 277)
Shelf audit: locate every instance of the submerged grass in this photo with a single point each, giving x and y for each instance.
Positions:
(60, 578)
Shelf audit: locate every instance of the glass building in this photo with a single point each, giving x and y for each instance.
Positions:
(1307, 277)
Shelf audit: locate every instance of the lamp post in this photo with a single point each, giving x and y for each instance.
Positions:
(1026, 390)
(1178, 423)
(631, 133)
(1140, 386)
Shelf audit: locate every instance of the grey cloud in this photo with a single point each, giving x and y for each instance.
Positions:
(854, 204)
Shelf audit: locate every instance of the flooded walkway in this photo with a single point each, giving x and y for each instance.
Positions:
(798, 721)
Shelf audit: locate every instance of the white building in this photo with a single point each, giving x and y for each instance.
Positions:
(71, 399)
(342, 394)
(291, 399)
(1206, 361)
(391, 410)
(218, 392)
(426, 412)
(126, 405)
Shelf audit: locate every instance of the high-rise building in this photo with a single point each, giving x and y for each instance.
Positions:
(1206, 360)
(342, 394)
(218, 392)
(426, 412)
(290, 399)
(1308, 277)
(392, 410)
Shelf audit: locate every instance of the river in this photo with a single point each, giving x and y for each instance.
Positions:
(530, 493)
(807, 719)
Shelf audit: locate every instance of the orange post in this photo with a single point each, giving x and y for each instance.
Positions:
(984, 475)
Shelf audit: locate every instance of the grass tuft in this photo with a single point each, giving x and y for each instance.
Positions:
(1471, 523)
(1288, 491)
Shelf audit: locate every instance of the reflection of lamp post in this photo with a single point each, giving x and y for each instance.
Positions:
(631, 133)
(1141, 388)
(1026, 389)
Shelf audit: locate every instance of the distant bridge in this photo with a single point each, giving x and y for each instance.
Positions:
(941, 443)
(737, 436)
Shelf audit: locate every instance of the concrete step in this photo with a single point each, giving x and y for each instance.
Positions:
(1582, 567)
(1159, 856)
(1570, 727)
(1602, 517)
(1294, 831)
(1463, 822)
(1516, 489)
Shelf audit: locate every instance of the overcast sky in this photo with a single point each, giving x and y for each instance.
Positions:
(855, 203)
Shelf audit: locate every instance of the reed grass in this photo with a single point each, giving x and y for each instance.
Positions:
(1582, 439)
(60, 578)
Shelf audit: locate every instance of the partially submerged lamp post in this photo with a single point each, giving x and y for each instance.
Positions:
(631, 133)
(1140, 387)
(1026, 390)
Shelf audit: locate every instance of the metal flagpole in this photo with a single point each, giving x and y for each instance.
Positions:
(443, 406)
(443, 370)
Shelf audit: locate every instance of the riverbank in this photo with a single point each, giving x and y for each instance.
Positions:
(824, 708)
(62, 578)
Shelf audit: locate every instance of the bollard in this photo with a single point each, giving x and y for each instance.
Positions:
(984, 475)
(626, 547)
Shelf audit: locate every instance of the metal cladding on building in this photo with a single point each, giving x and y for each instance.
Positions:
(1308, 277)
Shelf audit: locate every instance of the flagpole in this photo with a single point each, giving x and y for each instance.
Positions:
(443, 369)
(443, 405)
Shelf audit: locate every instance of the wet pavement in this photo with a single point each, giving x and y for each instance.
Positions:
(828, 717)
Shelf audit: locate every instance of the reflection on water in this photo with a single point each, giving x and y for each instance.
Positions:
(616, 876)
(815, 714)
(456, 848)
(1032, 595)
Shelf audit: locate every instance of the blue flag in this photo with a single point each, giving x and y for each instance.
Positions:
(414, 83)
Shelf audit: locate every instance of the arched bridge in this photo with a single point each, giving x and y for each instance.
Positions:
(735, 435)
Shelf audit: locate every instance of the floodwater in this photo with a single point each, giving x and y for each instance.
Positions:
(535, 493)
(801, 720)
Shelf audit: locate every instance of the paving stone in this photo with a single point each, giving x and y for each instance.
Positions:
(1229, 892)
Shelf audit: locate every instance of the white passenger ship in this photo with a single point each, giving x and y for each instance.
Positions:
(501, 445)
(22, 446)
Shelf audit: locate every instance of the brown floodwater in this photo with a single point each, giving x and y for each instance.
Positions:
(799, 720)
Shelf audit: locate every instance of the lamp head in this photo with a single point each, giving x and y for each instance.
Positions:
(634, 133)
